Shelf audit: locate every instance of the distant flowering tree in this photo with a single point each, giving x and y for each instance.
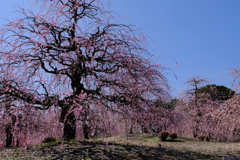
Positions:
(210, 110)
(71, 55)
(194, 84)
(19, 122)
(225, 121)
(195, 107)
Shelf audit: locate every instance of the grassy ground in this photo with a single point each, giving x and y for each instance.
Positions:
(124, 148)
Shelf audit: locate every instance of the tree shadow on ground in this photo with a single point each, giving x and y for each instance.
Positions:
(113, 151)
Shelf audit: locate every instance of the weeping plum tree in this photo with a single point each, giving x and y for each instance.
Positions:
(71, 54)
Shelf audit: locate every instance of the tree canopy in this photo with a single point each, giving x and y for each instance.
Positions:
(217, 92)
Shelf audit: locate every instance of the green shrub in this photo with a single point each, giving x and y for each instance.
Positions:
(49, 139)
(173, 136)
(163, 135)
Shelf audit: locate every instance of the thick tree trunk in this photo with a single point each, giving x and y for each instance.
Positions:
(9, 131)
(69, 131)
(69, 120)
(85, 131)
(9, 136)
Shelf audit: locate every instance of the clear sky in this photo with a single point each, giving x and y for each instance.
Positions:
(202, 36)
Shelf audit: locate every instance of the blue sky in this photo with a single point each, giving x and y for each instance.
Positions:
(202, 36)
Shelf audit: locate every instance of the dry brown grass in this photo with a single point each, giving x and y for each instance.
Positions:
(181, 144)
